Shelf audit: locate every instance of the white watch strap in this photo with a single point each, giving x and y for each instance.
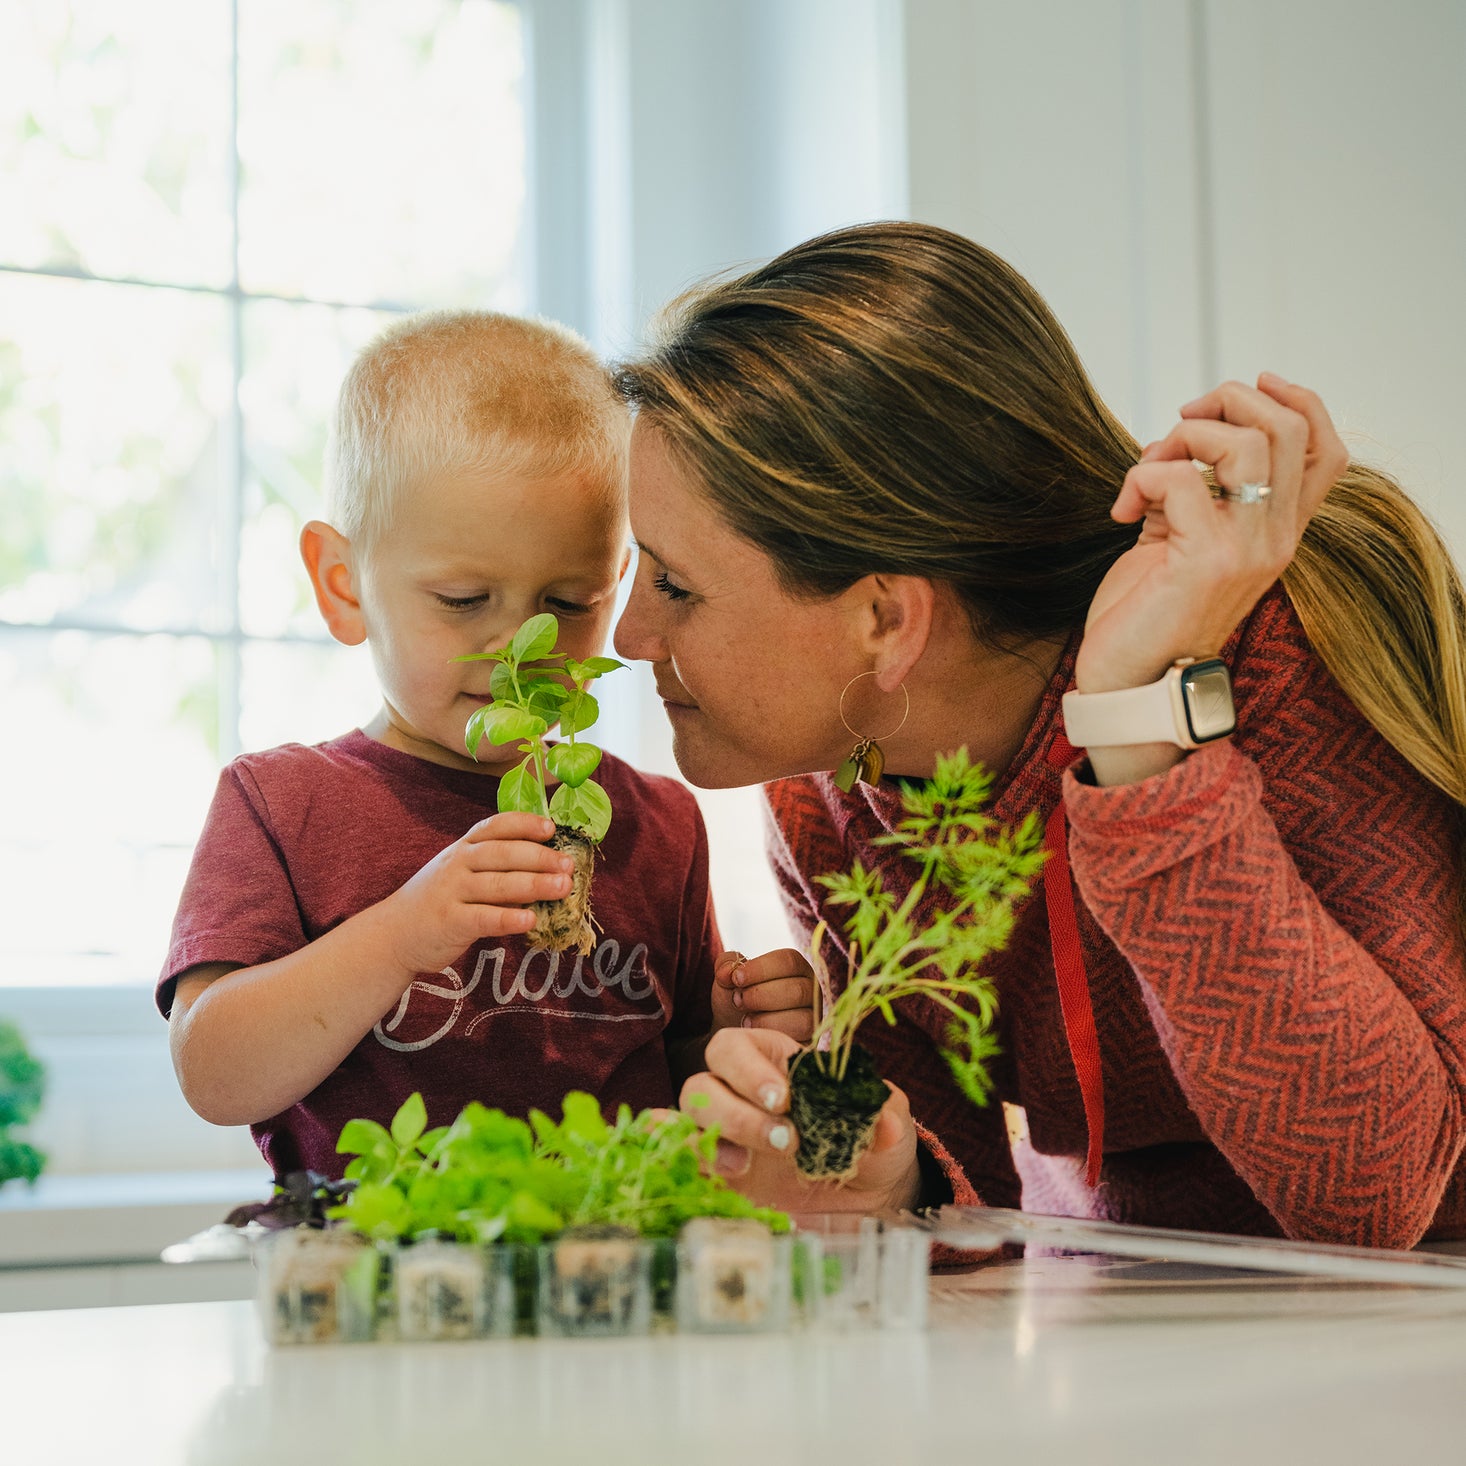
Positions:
(1148, 714)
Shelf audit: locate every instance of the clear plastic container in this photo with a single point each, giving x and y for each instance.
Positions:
(863, 1273)
(595, 1282)
(452, 1290)
(733, 1277)
(316, 1286)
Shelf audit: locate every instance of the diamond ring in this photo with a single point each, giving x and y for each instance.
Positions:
(1247, 494)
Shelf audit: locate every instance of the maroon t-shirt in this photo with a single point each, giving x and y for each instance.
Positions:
(298, 839)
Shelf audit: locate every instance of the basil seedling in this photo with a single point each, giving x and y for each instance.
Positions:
(534, 688)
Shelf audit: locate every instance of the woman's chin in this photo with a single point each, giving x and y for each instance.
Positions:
(702, 764)
(706, 765)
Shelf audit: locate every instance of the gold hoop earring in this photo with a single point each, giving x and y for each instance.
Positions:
(866, 761)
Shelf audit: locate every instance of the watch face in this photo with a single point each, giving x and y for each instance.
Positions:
(1206, 689)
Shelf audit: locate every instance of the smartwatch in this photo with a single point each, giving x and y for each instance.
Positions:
(1190, 705)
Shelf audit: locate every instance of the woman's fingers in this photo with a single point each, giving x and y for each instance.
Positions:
(712, 1102)
(1325, 456)
(1248, 437)
(1306, 446)
(754, 1064)
(747, 1095)
(1171, 497)
(1201, 562)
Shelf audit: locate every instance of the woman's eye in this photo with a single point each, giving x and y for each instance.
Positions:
(460, 603)
(666, 587)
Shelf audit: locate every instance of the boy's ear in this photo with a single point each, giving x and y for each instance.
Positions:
(896, 615)
(327, 555)
(625, 561)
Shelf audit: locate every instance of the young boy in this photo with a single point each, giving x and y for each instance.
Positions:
(352, 925)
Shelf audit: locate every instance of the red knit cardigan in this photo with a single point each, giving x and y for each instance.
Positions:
(1273, 958)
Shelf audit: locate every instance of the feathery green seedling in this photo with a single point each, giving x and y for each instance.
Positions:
(897, 951)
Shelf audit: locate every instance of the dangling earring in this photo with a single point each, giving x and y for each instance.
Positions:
(866, 761)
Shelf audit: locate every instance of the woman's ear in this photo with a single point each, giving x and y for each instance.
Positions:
(897, 613)
(327, 556)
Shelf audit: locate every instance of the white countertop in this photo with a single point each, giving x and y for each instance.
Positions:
(1056, 1360)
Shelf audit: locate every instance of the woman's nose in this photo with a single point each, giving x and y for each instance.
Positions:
(634, 637)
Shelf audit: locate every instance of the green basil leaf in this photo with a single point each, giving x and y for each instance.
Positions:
(528, 1213)
(599, 666)
(573, 763)
(362, 1137)
(535, 639)
(410, 1121)
(580, 710)
(583, 1117)
(378, 1211)
(501, 682)
(546, 699)
(431, 1138)
(473, 734)
(587, 808)
(520, 790)
(503, 723)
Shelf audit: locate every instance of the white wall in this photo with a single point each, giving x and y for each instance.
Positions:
(1201, 188)
(1214, 188)
(741, 129)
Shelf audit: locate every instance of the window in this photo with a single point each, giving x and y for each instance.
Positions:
(205, 209)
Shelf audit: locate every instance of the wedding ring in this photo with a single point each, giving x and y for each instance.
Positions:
(1247, 494)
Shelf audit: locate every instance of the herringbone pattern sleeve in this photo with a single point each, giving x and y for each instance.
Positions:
(1289, 908)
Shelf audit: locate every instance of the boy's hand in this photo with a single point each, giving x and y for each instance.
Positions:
(480, 886)
(772, 992)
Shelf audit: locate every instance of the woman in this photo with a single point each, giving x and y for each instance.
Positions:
(873, 475)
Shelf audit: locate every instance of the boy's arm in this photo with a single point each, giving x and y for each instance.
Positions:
(249, 1042)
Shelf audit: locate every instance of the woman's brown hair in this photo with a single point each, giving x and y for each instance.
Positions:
(893, 397)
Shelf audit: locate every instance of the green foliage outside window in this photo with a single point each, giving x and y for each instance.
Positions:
(22, 1085)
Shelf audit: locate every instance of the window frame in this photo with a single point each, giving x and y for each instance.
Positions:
(120, 1022)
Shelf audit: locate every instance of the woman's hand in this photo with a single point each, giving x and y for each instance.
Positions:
(772, 992)
(1202, 563)
(746, 1094)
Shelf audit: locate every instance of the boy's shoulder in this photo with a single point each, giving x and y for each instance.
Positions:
(347, 765)
(348, 752)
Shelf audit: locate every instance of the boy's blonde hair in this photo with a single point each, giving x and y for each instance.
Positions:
(468, 392)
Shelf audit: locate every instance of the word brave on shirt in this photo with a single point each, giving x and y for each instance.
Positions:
(542, 982)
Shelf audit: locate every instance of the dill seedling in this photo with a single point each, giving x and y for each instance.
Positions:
(901, 949)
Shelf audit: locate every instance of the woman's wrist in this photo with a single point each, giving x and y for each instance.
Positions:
(1132, 763)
